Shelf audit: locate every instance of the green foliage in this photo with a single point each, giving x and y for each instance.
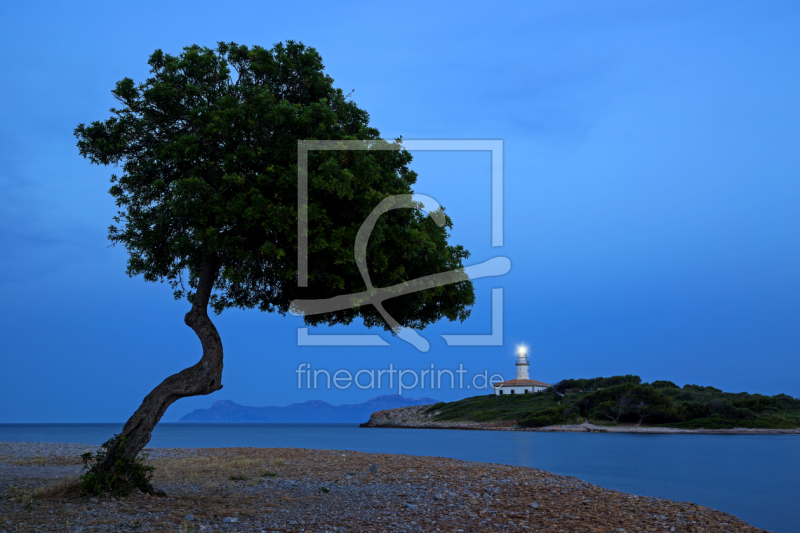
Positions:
(238, 477)
(759, 403)
(505, 407)
(433, 407)
(546, 417)
(270, 473)
(487, 416)
(121, 479)
(700, 388)
(594, 383)
(625, 399)
(660, 384)
(627, 402)
(208, 148)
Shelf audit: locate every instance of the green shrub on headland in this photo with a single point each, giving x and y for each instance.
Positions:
(627, 400)
(545, 417)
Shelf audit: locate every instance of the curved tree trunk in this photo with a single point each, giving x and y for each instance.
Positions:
(204, 377)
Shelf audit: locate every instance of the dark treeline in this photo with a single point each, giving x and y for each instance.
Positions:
(627, 400)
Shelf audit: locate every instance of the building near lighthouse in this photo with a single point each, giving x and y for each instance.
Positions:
(523, 384)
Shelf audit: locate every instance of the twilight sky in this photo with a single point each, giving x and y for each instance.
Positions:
(652, 178)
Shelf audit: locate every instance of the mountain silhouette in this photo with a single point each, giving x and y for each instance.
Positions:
(312, 411)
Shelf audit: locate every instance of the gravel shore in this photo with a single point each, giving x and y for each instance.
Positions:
(289, 489)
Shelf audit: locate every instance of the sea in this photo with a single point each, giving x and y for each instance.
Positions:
(755, 477)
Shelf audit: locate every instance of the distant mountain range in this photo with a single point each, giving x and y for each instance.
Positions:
(311, 411)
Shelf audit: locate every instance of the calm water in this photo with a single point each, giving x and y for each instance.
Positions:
(755, 477)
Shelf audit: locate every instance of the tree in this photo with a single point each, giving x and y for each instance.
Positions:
(649, 403)
(619, 401)
(207, 201)
(614, 410)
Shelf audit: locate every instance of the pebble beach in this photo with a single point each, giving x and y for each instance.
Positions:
(302, 490)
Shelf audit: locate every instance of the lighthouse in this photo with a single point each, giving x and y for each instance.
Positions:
(522, 363)
(523, 384)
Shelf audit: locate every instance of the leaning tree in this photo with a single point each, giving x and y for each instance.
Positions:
(207, 148)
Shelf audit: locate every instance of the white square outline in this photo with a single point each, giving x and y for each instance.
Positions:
(494, 146)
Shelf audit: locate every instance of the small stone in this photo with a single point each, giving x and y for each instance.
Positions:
(230, 520)
(373, 469)
(535, 505)
(350, 473)
(410, 506)
(473, 501)
(161, 493)
(438, 496)
(189, 517)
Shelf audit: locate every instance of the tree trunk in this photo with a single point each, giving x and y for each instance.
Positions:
(204, 377)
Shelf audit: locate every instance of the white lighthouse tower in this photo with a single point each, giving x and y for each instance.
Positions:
(523, 384)
(522, 363)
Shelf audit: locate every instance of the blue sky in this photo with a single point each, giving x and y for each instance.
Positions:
(652, 179)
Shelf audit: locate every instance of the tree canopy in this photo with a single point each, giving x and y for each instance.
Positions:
(207, 147)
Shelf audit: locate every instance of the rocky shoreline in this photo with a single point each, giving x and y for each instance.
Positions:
(299, 490)
(416, 417)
